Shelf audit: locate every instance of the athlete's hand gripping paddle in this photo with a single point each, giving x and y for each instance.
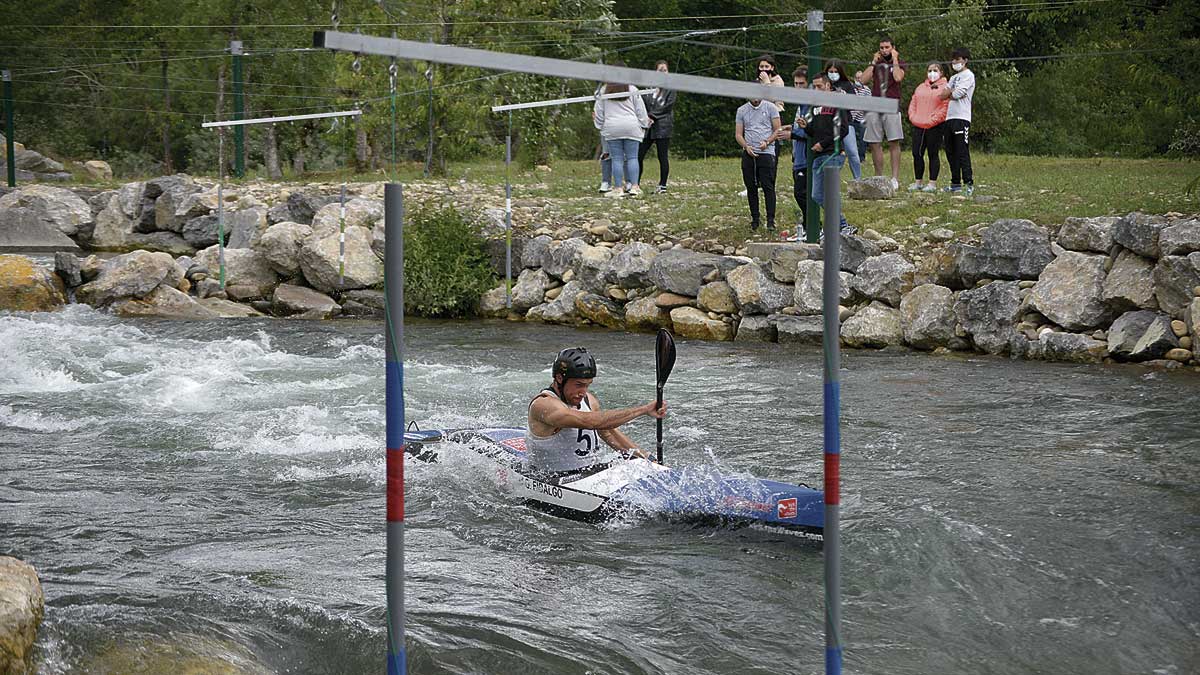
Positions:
(664, 361)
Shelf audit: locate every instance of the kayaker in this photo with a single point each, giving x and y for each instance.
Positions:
(566, 423)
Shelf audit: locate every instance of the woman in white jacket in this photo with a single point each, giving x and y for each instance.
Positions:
(622, 123)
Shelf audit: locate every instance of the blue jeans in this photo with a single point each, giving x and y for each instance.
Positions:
(624, 160)
(819, 164)
(606, 166)
(859, 129)
(851, 145)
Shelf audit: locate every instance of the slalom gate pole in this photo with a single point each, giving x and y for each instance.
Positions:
(221, 205)
(393, 204)
(342, 238)
(508, 217)
(832, 436)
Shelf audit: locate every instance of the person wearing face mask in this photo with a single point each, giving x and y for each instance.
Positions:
(959, 92)
(885, 74)
(827, 127)
(756, 128)
(927, 113)
(660, 106)
(836, 75)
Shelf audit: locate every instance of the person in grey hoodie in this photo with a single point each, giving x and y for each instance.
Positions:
(661, 108)
(622, 123)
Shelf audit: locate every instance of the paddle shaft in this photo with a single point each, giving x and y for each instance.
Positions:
(659, 440)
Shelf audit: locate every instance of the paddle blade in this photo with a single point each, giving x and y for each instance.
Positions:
(664, 354)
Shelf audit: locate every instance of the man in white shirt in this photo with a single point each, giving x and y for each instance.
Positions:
(960, 90)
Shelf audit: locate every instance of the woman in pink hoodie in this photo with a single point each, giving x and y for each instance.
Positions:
(926, 112)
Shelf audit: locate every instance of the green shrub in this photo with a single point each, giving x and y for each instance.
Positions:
(446, 265)
(1186, 142)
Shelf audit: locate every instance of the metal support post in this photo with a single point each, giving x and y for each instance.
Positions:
(9, 143)
(239, 110)
(816, 29)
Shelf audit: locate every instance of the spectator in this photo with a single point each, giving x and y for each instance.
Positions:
(960, 91)
(622, 123)
(827, 129)
(927, 113)
(799, 149)
(858, 118)
(768, 74)
(836, 74)
(884, 75)
(661, 109)
(605, 158)
(756, 128)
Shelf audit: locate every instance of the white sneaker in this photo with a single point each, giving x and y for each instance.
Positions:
(615, 193)
(742, 193)
(635, 191)
(915, 187)
(929, 187)
(605, 187)
(895, 184)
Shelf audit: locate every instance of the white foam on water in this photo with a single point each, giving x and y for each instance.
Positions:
(1065, 622)
(295, 430)
(372, 471)
(46, 423)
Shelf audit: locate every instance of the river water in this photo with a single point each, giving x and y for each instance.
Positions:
(212, 493)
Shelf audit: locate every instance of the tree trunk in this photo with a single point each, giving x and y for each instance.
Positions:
(168, 164)
(362, 151)
(271, 154)
(220, 111)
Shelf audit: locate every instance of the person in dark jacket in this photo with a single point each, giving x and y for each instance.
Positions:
(828, 129)
(661, 107)
(839, 81)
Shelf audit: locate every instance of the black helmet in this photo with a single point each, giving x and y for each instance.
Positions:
(575, 362)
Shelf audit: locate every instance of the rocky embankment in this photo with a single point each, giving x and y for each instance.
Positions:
(22, 606)
(1089, 289)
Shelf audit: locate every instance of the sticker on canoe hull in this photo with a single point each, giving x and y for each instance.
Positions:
(787, 508)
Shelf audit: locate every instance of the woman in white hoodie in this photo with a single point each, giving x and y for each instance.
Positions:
(622, 123)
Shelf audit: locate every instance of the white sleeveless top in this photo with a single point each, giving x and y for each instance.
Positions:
(568, 450)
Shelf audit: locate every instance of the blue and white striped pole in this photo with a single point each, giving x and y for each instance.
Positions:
(393, 261)
(832, 330)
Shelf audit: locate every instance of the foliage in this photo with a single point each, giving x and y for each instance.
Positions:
(446, 266)
(1186, 142)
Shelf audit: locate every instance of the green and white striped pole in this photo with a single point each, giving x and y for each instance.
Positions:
(342, 239)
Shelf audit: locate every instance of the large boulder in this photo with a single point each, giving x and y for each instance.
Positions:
(1192, 321)
(988, 314)
(927, 316)
(1010, 249)
(26, 287)
(886, 277)
(1070, 291)
(169, 211)
(494, 303)
(695, 324)
(132, 275)
(113, 226)
(1174, 278)
(717, 296)
(36, 162)
(22, 606)
(1130, 283)
(167, 242)
(873, 187)
(98, 170)
(302, 206)
(591, 269)
(808, 330)
(854, 251)
(1139, 233)
(319, 261)
(755, 328)
(783, 259)
(630, 267)
(561, 309)
(1141, 335)
(1093, 235)
(24, 230)
(204, 231)
(683, 271)
(163, 302)
(228, 309)
(301, 302)
(599, 310)
(563, 256)
(876, 325)
(156, 187)
(244, 268)
(246, 227)
(810, 280)
(530, 289)
(643, 314)
(939, 267)
(755, 292)
(1071, 347)
(534, 253)
(498, 251)
(360, 212)
(1181, 238)
(1156, 341)
(190, 205)
(55, 206)
(280, 245)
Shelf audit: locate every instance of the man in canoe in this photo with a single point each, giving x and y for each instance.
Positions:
(566, 424)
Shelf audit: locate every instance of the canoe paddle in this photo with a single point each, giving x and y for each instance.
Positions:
(664, 361)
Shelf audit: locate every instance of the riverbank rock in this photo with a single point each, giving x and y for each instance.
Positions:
(319, 261)
(98, 170)
(1092, 235)
(55, 206)
(1180, 238)
(132, 275)
(755, 293)
(1130, 283)
(591, 268)
(1140, 336)
(1174, 278)
(228, 309)
(927, 316)
(856, 250)
(1139, 233)
(22, 606)
(534, 253)
(302, 303)
(299, 207)
(280, 246)
(876, 325)
(1192, 319)
(562, 256)
(530, 289)
(717, 296)
(1072, 347)
(644, 315)
(694, 324)
(783, 258)
(873, 187)
(630, 267)
(246, 227)
(885, 278)
(493, 304)
(988, 314)
(247, 272)
(1070, 291)
(1010, 249)
(755, 328)
(683, 271)
(810, 280)
(599, 310)
(808, 330)
(24, 231)
(164, 302)
(27, 287)
(181, 655)
(561, 309)
(360, 212)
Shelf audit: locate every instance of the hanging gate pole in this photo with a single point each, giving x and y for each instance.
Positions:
(832, 408)
(393, 262)
(508, 216)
